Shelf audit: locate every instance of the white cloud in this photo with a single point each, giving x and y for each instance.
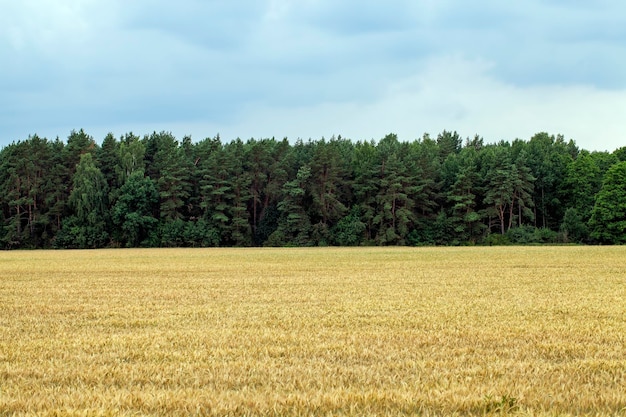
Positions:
(53, 27)
(451, 93)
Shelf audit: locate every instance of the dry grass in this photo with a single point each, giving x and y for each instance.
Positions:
(399, 331)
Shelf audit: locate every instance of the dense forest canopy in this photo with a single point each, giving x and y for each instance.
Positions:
(158, 191)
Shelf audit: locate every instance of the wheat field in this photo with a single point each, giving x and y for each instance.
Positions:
(533, 331)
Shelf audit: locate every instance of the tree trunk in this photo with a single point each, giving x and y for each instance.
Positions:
(543, 207)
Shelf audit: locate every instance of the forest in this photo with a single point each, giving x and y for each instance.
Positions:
(158, 191)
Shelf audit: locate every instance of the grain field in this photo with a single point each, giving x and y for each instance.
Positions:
(532, 331)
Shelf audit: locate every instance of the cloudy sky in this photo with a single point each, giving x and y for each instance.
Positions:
(315, 68)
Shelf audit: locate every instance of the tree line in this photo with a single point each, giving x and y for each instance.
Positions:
(157, 191)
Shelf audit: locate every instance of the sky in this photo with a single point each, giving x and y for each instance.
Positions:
(315, 68)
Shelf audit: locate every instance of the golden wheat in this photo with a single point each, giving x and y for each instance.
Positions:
(343, 331)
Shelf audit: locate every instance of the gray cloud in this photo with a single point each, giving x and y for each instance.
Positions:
(544, 42)
(351, 18)
(219, 25)
(218, 65)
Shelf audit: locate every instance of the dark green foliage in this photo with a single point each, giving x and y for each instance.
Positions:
(394, 202)
(574, 228)
(466, 218)
(89, 223)
(365, 188)
(620, 154)
(509, 186)
(33, 193)
(582, 182)
(448, 144)
(294, 226)
(240, 231)
(608, 217)
(179, 233)
(78, 143)
(328, 184)
(133, 212)
(528, 235)
(547, 158)
(438, 231)
(130, 157)
(172, 233)
(108, 160)
(500, 186)
(225, 191)
(158, 191)
(349, 231)
(169, 169)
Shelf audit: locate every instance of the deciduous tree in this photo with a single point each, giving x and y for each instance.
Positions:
(608, 217)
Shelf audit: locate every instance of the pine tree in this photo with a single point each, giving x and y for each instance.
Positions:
(365, 188)
(394, 200)
(240, 233)
(523, 187)
(108, 160)
(327, 181)
(464, 197)
(500, 183)
(170, 171)
(295, 226)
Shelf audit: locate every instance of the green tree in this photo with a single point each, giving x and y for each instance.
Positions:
(201, 233)
(56, 187)
(548, 157)
(620, 153)
(394, 203)
(424, 165)
(448, 143)
(349, 230)
(268, 163)
(87, 227)
(608, 217)
(108, 160)
(215, 186)
(500, 185)
(294, 225)
(523, 187)
(466, 219)
(509, 187)
(28, 188)
(240, 232)
(258, 160)
(580, 185)
(573, 228)
(15, 193)
(133, 210)
(365, 185)
(131, 153)
(170, 171)
(328, 182)
(604, 161)
(78, 143)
